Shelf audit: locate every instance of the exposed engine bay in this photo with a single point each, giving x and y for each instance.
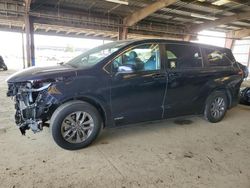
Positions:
(32, 103)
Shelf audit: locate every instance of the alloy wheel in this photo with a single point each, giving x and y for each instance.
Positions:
(77, 127)
(218, 107)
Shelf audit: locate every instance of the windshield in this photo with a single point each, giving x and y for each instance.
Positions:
(95, 55)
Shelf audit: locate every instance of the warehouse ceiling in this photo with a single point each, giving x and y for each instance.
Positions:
(142, 18)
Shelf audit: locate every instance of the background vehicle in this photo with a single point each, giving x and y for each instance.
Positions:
(125, 82)
(245, 96)
(2, 64)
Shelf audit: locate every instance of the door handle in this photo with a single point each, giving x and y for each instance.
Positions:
(158, 76)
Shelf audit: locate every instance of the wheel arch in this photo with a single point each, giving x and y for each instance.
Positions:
(226, 91)
(100, 106)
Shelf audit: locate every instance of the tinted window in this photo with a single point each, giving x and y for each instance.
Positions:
(183, 56)
(216, 57)
(229, 54)
(144, 57)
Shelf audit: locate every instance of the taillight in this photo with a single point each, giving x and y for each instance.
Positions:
(241, 72)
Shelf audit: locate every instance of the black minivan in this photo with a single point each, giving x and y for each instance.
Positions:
(125, 82)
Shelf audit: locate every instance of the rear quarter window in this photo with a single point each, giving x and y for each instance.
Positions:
(216, 57)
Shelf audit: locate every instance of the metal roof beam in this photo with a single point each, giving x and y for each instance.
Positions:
(240, 33)
(206, 4)
(242, 2)
(223, 20)
(27, 5)
(146, 11)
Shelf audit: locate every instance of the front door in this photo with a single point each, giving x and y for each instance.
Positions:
(138, 85)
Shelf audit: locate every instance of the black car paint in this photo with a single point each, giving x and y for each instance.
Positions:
(134, 97)
(42, 73)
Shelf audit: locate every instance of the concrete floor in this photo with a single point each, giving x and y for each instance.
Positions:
(162, 154)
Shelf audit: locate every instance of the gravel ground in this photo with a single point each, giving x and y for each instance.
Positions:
(183, 152)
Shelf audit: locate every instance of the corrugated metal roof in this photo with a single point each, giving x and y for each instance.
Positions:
(179, 13)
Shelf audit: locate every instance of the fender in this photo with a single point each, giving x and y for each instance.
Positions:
(226, 85)
(102, 106)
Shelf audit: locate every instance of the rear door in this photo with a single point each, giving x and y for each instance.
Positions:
(186, 79)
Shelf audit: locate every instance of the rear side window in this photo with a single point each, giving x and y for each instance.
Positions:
(217, 57)
(183, 56)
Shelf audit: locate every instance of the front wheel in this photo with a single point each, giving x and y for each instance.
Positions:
(75, 125)
(216, 107)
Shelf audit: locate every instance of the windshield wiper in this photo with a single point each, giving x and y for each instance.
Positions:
(66, 64)
(61, 63)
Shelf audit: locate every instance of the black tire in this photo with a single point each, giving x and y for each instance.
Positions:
(211, 108)
(64, 111)
(5, 68)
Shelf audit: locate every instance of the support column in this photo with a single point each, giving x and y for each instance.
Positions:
(229, 41)
(29, 29)
(23, 51)
(248, 62)
(187, 38)
(122, 33)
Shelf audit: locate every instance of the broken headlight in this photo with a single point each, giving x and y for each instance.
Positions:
(32, 103)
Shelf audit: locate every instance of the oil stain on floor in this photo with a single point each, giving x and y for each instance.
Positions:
(183, 121)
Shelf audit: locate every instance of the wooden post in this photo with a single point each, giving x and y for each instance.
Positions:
(23, 51)
(248, 63)
(187, 38)
(229, 42)
(29, 29)
(122, 33)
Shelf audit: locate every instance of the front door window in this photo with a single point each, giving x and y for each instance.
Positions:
(144, 57)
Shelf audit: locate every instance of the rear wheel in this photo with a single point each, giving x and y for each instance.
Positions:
(75, 125)
(216, 106)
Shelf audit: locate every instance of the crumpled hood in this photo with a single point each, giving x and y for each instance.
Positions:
(42, 73)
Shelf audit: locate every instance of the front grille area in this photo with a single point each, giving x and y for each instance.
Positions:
(12, 90)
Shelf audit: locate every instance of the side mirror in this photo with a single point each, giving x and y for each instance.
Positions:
(125, 69)
(122, 70)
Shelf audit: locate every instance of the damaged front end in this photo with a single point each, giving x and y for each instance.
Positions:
(33, 103)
